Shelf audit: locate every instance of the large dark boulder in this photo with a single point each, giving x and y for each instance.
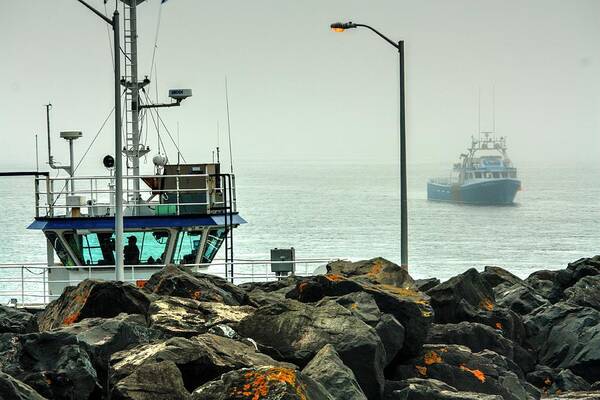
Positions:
(543, 283)
(177, 316)
(12, 389)
(567, 336)
(467, 290)
(200, 359)
(376, 270)
(495, 276)
(431, 389)
(298, 331)
(93, 298)
(425, 284)
(264, 293)
(155, 381)
(586, 292)
(479, 337)
(457, 366)
(520, 298)
(177, 281)
(55, 364)
(104, 337)
(409, 306)
(13, 320)
(566, 381)
(328, 369)
(264, 383)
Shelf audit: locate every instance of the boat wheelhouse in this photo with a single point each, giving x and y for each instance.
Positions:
(183, 213)
(484, 176)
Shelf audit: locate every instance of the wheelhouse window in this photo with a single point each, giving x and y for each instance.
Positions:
(140, 248)
(186, 249)
(60, 249)
(213, 243)
(478, 175)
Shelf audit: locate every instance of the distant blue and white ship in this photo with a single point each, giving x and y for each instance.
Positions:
(485, 176)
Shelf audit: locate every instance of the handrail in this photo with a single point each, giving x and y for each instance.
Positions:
(31, 282)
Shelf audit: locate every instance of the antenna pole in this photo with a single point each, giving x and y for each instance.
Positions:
(494, 110)
(37, 158)
(479, 114)
(48, 107)
(119, 267)
(228, 126)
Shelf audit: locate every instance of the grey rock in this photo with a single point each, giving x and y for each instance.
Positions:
(479, 337)
(13, 320)
(264, 383)
(392, 335)
(179, 282)
(298, 331)
(566, 381)
(12, 389)
(483, 372)
(495, 276)
(156, 381)
(54, 364)
(519, 298)
(567, 337)
(93, 299)
(187, 317)
(200, 358)
(327, 368)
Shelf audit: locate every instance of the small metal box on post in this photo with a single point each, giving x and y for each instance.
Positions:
(283, 261)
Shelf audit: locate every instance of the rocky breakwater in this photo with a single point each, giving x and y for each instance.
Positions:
(363, 330)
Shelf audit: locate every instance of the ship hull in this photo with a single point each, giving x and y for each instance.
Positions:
(486, 192)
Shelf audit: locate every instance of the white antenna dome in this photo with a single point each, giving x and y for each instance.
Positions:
(159, 160)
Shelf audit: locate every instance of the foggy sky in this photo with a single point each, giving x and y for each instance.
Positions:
(299, 91)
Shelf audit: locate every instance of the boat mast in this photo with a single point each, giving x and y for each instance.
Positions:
(134, 150)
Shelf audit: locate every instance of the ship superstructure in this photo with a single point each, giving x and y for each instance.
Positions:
(183, 213)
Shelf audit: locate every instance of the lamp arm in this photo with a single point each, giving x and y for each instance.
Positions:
(381, 35)
(98, 13)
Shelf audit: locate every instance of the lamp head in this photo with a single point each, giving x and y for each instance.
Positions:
(342, 26)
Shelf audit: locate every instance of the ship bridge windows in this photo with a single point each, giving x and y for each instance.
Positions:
(98, 248)
(60, 249)
(186, 248)
(213, 242)
(477, 175)
(496, 175)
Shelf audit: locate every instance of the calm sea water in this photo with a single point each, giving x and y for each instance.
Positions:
(351, 211)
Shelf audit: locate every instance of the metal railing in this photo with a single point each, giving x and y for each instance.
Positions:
(94, 196)
(28, 284)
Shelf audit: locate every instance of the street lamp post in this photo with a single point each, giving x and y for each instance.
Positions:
(341, 27)
(114, 22)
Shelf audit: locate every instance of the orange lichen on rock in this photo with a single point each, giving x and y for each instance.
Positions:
(302, 286)
(354, 306)
(404, 292)
(486, 304)
(476, 373)
(71, 319)
(257, 383)
(431, 357)
(421, 370)
(376, 268)
(141, 283)
(499, 326)
(196, 295)
(335, 277)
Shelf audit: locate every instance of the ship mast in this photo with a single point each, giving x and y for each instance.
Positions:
(133, 149)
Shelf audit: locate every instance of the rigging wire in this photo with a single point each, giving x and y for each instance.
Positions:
(156, 38)
(110, 44)
(62, 191)
(164, 126)
(160, 141)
